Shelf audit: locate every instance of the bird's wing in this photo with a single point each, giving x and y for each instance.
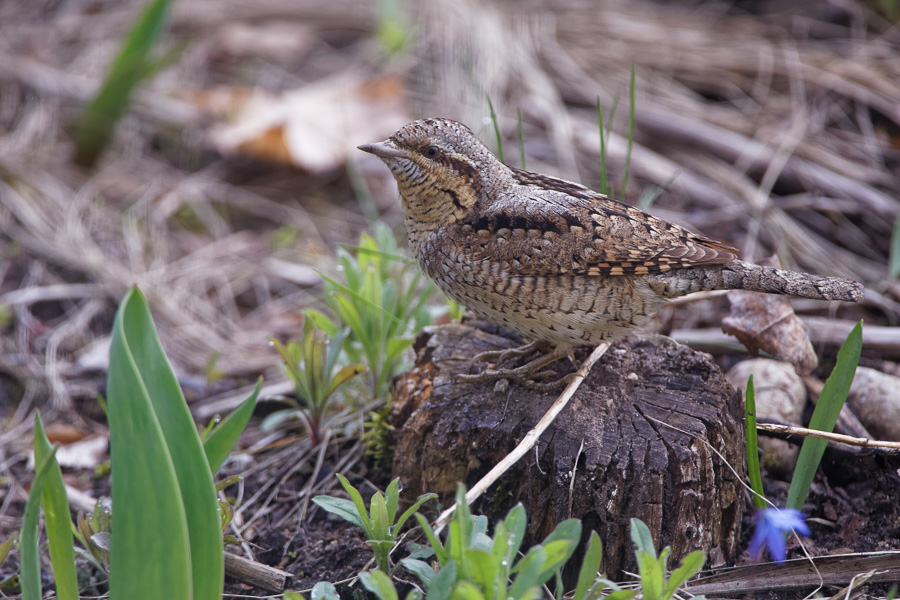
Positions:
(556, 227)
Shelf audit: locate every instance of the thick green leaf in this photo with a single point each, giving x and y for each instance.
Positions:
(392, 500)
(221, 440)
(623, 595)
(323, 591)
(466, 590)
(478, 537)
(143, 564)
(529, 572)
(379, 584)
(557, 553)
(652, 575)
(515, 523)
(690, 565)
(482, 568)
(360, 506)
(322, 321)
(456, 547)
(152, 436)
(825, 415)
(441, 585)
(590, 566)
(570, 531)
(56, 518)
(379, 515)
(640, 535)
(341, 507)
(29, 556)
(343, 376)
(5, 547)
(421, 569)
(753, 447)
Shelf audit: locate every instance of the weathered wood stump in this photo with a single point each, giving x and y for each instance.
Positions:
(631, 465)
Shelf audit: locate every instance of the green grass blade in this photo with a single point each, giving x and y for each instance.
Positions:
(630, 136)
(496, 129)
(56, 517)
(604, 186)
(130, 68)
(145, 490)
(362, 300)
(831, 400)
(221, 440)
(440, 552)
(392, 256)
(521, 138)
(29, 556)
(753, 447)
(415, 506)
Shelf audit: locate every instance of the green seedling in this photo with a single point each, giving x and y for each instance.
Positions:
(379, 522)
(655, 585)
(382, 299)
(312, 365)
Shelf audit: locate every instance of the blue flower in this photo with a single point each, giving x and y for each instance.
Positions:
(772, 527)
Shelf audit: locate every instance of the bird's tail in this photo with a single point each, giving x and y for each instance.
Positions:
(740, 275)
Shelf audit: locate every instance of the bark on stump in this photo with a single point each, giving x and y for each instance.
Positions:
(629, 466)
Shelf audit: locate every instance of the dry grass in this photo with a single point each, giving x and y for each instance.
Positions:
(777, 132)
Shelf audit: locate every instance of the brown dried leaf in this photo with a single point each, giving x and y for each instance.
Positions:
(765, 322)
(314, 127)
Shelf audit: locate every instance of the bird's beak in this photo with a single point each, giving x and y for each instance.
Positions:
(384, 149)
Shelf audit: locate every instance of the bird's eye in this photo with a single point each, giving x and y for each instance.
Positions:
(432, 151)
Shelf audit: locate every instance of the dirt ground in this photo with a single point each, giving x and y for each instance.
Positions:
(233, 180)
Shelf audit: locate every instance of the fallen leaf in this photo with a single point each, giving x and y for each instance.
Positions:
(767, 323)
(315, 127)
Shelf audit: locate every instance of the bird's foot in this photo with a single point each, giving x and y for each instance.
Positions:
(529, 375)
(498, 357)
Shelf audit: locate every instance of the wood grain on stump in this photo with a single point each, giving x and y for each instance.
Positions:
(630, 465)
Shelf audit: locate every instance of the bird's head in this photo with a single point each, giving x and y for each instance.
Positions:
(440, 166)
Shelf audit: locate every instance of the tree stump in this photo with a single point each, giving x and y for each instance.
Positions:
(630, 464)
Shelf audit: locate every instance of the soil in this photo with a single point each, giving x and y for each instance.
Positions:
(852, 507)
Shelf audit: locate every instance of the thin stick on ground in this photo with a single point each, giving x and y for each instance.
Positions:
(833, 437)
(530, 438)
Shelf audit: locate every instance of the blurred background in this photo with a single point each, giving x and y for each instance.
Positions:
(232, 178)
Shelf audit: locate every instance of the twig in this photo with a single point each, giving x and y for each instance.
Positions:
(834, 437)
(530, 438)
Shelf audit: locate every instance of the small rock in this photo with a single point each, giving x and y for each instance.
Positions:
(875, 398)
(780, 395)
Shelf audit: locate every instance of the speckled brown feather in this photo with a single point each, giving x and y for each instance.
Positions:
(549, 258)
(563, 227)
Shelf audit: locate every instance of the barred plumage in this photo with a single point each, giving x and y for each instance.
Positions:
(552, 259)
